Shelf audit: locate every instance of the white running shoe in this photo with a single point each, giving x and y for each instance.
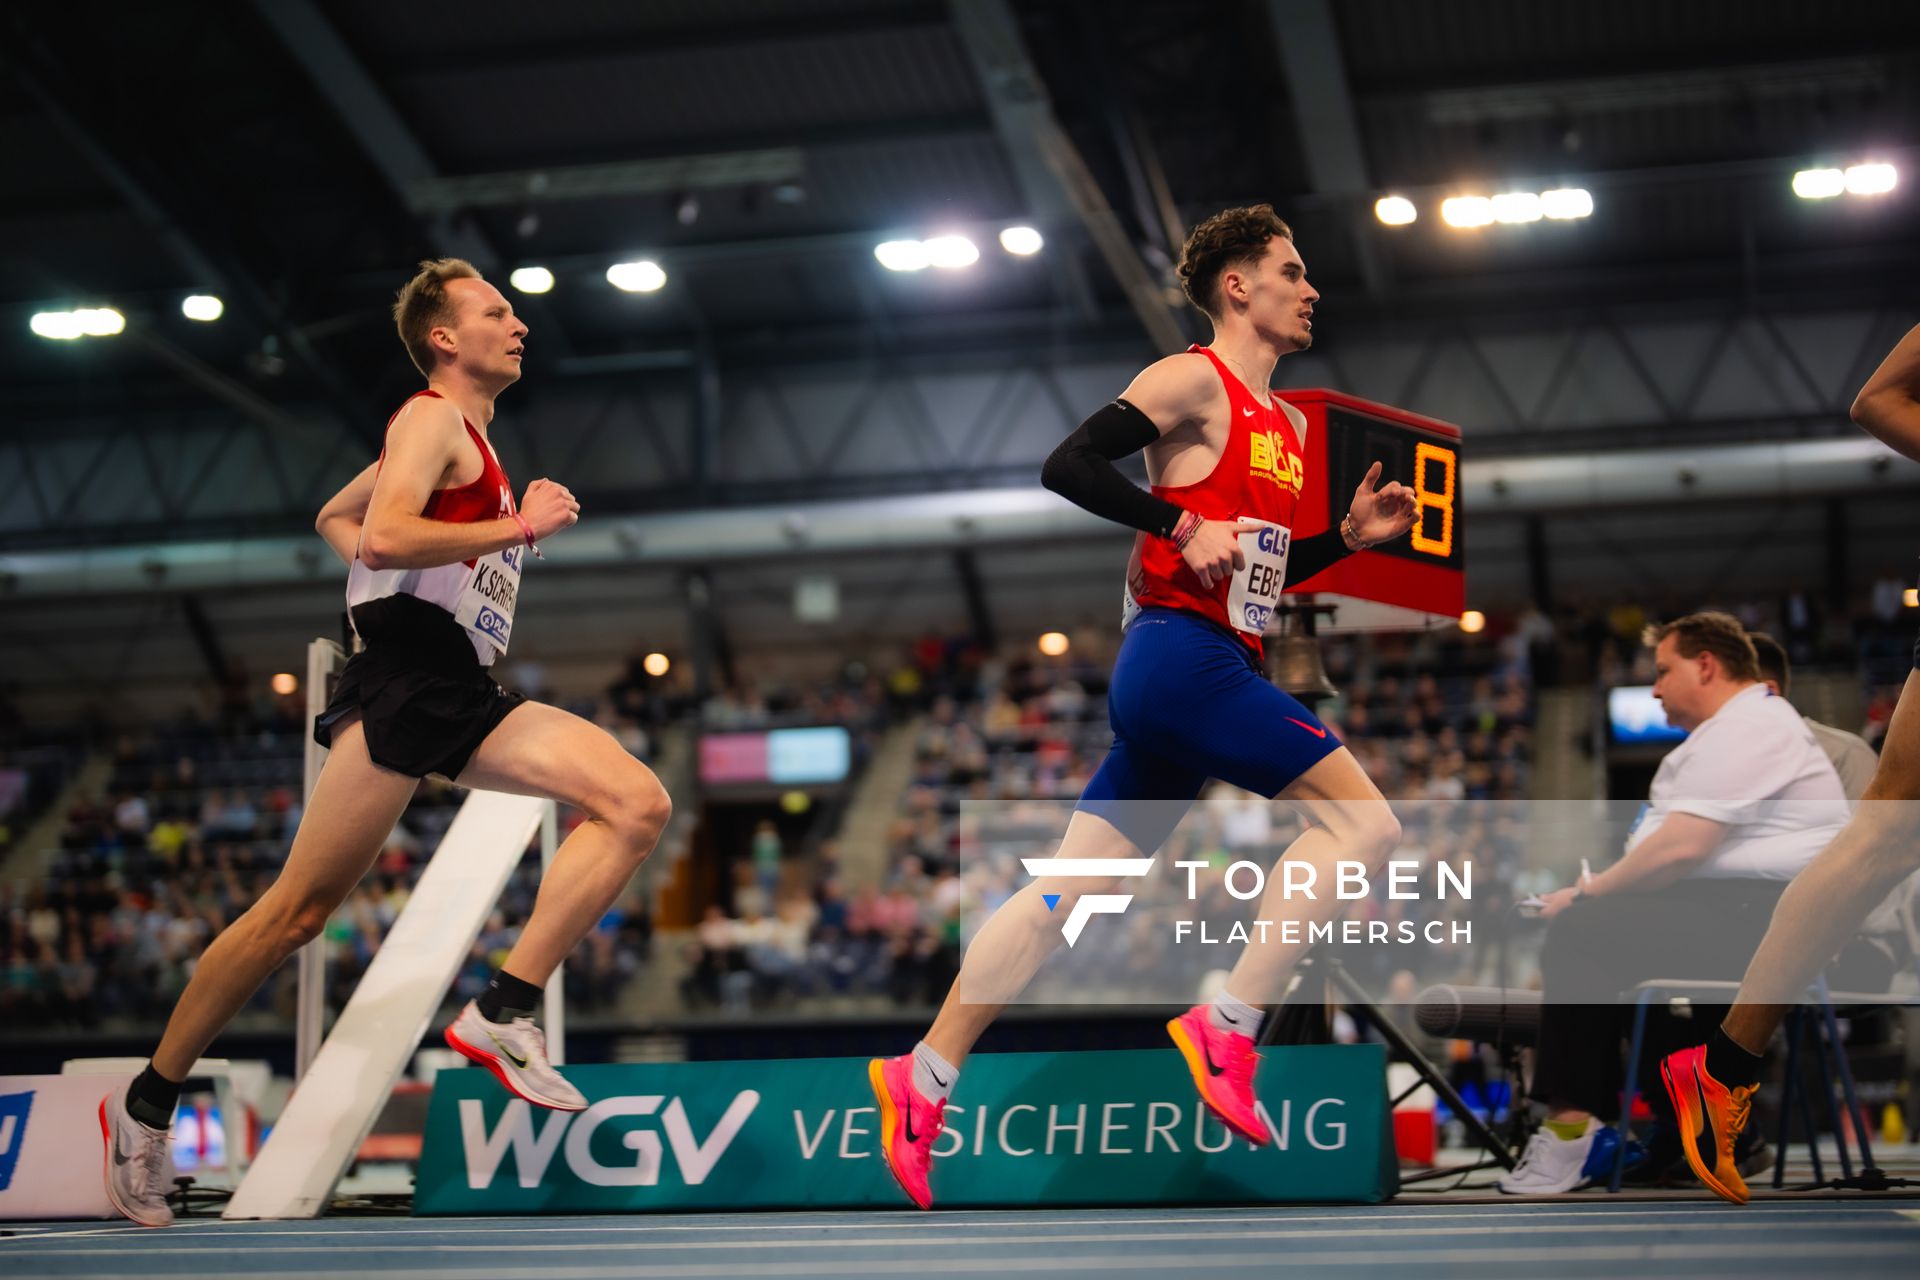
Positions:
(1550, 1165)
(137, 1162)
(516, 1053)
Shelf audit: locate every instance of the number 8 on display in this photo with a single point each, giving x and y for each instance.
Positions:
(1440, 499)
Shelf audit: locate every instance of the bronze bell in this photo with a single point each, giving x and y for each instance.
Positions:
(1297, 667)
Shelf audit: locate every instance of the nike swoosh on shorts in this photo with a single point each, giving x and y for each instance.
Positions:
(1318, 733)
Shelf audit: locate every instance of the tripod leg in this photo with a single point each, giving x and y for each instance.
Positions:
(1355, 995)
(1856, 1118)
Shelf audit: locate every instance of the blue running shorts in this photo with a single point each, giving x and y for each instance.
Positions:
(1187, 703)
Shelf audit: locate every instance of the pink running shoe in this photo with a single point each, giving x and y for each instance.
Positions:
(908, 1125)
(1222, 1063)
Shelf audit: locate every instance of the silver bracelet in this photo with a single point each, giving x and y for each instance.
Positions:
(1350, 536)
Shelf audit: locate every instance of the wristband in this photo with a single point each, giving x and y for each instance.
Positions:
(1184, 529)
(527, 530)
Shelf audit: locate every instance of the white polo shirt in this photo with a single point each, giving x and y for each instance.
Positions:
(1756, 768)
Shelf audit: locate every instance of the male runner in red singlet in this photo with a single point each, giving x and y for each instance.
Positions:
(1188, 701)
(1712, 1087)
(435, 544)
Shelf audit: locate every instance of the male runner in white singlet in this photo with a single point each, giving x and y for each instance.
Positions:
(435, 544)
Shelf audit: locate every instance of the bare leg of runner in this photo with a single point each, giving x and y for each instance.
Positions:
(1013, 944)
(1352, 821)
(1826, 903)
(354, 806)
(544, 751)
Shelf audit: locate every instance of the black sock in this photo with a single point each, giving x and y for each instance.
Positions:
(152, 1098)
(507, 998)
(1731, 1065)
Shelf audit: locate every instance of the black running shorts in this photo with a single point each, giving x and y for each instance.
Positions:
(424, 700)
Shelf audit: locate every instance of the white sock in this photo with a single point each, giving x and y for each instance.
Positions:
(1229, 1013)
(933, 1076)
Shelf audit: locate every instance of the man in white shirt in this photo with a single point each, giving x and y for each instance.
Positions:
(1735, 811)
(1852, 755)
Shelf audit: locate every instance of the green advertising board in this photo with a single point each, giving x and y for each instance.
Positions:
(1107, 1128)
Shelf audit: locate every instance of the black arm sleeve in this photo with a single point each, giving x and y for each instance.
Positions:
(1081, 470)
(1309, 556)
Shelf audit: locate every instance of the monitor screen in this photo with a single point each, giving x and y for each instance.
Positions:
(786, 757)
(1633, 716)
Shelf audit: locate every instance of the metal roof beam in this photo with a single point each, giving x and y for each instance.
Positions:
(806, 22)
(41, 75)
(522, 187)
(1308, 45)
(1051, 172)
(1833, 78)
(388, 140)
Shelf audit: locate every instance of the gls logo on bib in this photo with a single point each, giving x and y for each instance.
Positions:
(1256, 589)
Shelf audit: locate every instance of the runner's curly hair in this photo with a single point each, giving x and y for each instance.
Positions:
(1230, 238)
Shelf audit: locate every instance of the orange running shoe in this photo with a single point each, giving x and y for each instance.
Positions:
(1711, 1118)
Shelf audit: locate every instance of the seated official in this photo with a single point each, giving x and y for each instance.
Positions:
(1735, 811)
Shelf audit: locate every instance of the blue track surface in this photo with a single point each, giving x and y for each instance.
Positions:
(1642, 1240)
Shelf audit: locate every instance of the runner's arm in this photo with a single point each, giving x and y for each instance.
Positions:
(1374, 516)
(422, 443)
(339, 521)
(1309, 556)
(1167, 395)
(1889, 405)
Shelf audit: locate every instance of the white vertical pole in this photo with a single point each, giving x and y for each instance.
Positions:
(556, 991)
(324, 657)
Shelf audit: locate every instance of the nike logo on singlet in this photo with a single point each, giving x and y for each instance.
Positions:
(1248, 411)
(1318, 733)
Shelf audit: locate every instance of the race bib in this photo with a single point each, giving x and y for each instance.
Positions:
(1256, 588)
(486, 602)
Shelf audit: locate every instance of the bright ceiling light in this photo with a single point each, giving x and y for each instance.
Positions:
(1466, 211)
(59, 326)
(285, 683)
(1819, 184)
(100, 322)
(902, 255)
(540, 280)
(203, 307)
(82, 322)
(1054, 643)
(1870, 179)
(1395, 211)
(1473, 622)
(1021, 241)
(1911, 597)
(657, 664)
(636, 277)
(1516, 206)
(1563, 203)
(950, 252)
